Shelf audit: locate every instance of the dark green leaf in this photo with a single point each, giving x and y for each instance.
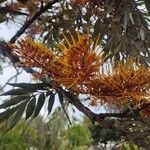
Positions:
(46, 37)
(30, 107)
(147, 4)
(15, 119)
(145, 60)
(61, 98)
(97, 28)
(87, 16)
(51, 102)
(39, 105)
(34, 86)
(142, 34)
(131, 18)
(48, 93)
(115, 52)
(16, 92)
(108, 46)
(6, 114)
(68, 95)
(126, 19)
(13, 101)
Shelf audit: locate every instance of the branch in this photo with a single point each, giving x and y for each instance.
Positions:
(92, 116)
(32, 19)
(100, 118)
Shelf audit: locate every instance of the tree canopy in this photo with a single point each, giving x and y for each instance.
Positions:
(86, 53)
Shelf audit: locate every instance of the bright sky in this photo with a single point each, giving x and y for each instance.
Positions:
(6, 32)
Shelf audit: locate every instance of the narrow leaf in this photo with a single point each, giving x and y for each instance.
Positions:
(131, 18)
(39, 105)
(61, 98)
(116, 50)
(51, 102)
(147, 4)
(6, 114)
(30, 107)
(13, 101)
(126, 20)
(16, 92)
(142, 34)
(34, 86)
(16, 118)
(146, 58)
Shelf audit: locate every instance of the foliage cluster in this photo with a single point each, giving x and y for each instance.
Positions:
(82, 37)
(51, 135)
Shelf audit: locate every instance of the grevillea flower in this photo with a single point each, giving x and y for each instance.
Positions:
(34, 54)
(77, 67)
(80, 59)
(76, 63)
(127, 81)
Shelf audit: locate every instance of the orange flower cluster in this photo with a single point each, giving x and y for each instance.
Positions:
(80, 61)
(33, 54)
(77, 67)
(127, 81)
(76, 63)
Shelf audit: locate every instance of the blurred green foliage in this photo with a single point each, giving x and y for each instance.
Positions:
(58, 134)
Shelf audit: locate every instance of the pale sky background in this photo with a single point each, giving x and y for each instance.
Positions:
(6, 32)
